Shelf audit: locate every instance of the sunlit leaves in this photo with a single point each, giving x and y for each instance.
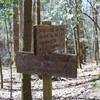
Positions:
(6, 8)
(97, 0)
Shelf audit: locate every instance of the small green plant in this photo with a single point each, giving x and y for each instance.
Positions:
(96, 84)
(98, 74)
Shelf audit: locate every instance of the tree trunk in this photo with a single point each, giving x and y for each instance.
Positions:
(21, 25)
(78, 44)
(96, 39)
(27, 40)
(16, 26)
(38, 12)
(77, 33)
(16, 34)
(34, 13)
(1, 73)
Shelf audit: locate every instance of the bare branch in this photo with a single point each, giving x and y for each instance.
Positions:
(92, 6)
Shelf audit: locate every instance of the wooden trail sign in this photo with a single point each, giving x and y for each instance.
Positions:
(48, 64)
(49, 38)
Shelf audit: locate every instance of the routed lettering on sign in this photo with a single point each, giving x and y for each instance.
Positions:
(49, 38)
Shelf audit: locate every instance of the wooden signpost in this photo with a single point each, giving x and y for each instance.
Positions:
(49, 42)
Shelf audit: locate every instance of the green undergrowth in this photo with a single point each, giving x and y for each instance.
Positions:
(13, 67)
(96, 84)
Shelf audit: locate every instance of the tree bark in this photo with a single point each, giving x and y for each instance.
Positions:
(21, 23)
(38, 12)
(1, 74)
(16, 26)
(16, 34)
(77, 33)
(27, 40)
(96, 39)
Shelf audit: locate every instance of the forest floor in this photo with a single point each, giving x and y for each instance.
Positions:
(85, 87)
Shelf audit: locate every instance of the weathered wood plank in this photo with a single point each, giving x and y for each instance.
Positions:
(47, 64)
(49, 38)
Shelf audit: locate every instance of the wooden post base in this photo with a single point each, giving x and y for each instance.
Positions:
(47, 87)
